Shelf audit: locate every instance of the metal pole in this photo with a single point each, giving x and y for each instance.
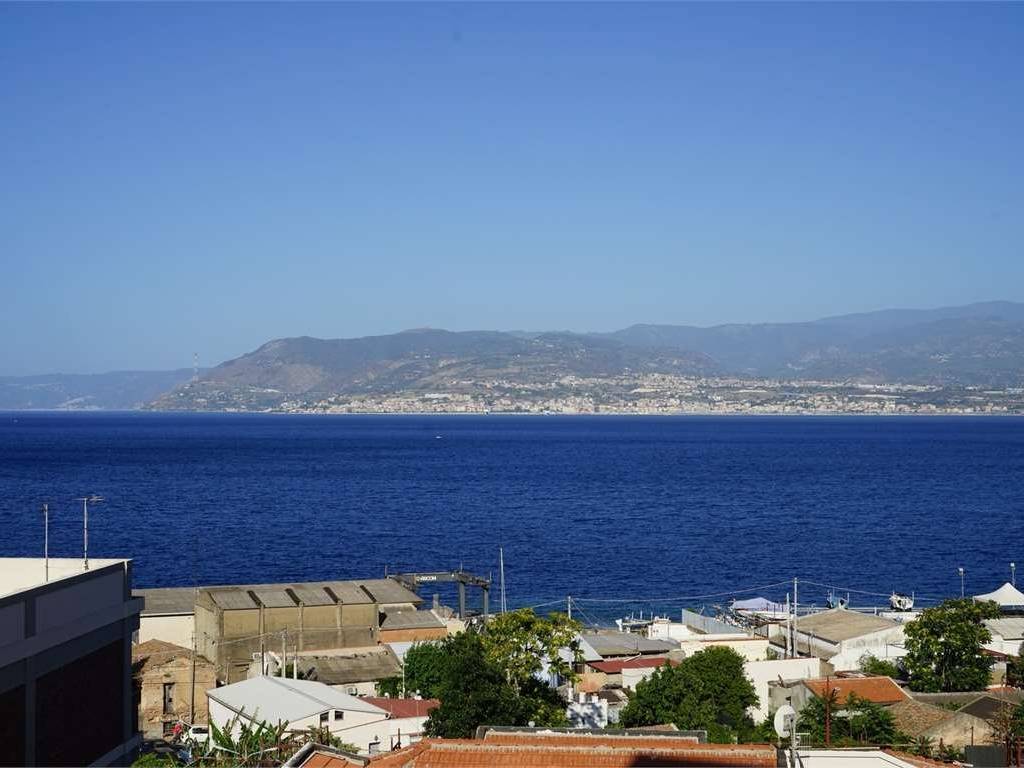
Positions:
(961, 571)
(85, 531)
(192, 690)
(501, 572)
(796, 653)
(1013, 574)
(568, 606)
(46, 542)
(284, 652)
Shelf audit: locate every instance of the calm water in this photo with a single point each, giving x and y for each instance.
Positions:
(602, 507)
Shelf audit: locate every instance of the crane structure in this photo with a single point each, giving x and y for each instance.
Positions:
(461, 578)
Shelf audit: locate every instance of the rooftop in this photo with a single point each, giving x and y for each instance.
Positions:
(838, 624)
(988, 706)
(403, 707)
(18, 574)
(880, 690)
(281, 699)
(158, 652)
(411, 620)
(181, 600)
(357, 665)
(558, 750)
(915, 718)
(626, 644)
(615, 666)
(1007, 627)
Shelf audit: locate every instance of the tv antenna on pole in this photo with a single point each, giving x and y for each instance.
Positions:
(86, 500)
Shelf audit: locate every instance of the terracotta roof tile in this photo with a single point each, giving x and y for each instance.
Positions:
(403, 707)
(572, 751)
(880, 690)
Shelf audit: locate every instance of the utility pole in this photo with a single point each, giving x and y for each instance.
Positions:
(568, 606)
(284, 651)
(501, 572)
(46, 542)
(192, 688)
(85, 524)
(1013, 574)
(960, 570)
(828, 712)
(796, 653)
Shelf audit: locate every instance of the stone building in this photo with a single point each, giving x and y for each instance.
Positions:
(162, 674)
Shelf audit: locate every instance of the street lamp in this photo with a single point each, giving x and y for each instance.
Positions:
(86, 500)
(960, 570)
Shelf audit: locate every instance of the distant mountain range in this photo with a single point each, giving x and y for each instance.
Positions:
(979, 344)
(973, 345)
(118, 390)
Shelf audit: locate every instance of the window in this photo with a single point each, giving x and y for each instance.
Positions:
(168, 698)
(339, 714)
(323, 718)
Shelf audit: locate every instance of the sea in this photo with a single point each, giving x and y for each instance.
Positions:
(625, 514)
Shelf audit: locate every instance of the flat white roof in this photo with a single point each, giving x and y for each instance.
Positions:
(20, 573)
(274, 699)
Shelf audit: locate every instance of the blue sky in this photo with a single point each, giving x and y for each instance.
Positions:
(202, 178)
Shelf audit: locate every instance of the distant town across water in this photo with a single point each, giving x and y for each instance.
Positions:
(649, 513)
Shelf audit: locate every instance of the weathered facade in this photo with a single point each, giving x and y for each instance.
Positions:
(162, 674)
(235, 624)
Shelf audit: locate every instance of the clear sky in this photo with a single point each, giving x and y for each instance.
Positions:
(203, 178)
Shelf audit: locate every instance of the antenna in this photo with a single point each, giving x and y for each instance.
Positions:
(85, 524)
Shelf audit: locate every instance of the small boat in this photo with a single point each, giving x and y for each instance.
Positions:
(901, 602)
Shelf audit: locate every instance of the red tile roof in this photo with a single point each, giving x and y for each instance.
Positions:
(615, 666)
(880, 690)
(321, 759)
(403, 707)
(571, 751)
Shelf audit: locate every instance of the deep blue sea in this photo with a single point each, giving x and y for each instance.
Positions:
(662, 512)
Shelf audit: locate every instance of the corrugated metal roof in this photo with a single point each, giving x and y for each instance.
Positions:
(274, 598)
(389, 591)
(312, 594)
(839, 624)
(361, 666)
(232, 598)
(626, 644)
(349, 593)
(275, 698)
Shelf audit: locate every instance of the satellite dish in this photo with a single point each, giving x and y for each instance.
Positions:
(785, 717)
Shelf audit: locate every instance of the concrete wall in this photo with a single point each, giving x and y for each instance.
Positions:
(176, 629)
(366, 688)
(750, 648)
(63, 644)
(150, 685)
(763, 672)
(412, 635)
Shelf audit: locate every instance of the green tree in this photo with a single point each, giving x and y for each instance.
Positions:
(856, 721)
(521, 643)
(872, 665)
(709, 690)
(489, 678)
(944, 647)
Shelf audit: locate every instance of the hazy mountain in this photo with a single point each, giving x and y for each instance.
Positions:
(977, 343)
(118, 390)
(420, 360)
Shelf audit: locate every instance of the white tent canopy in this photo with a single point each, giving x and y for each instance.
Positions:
(1007, 596)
